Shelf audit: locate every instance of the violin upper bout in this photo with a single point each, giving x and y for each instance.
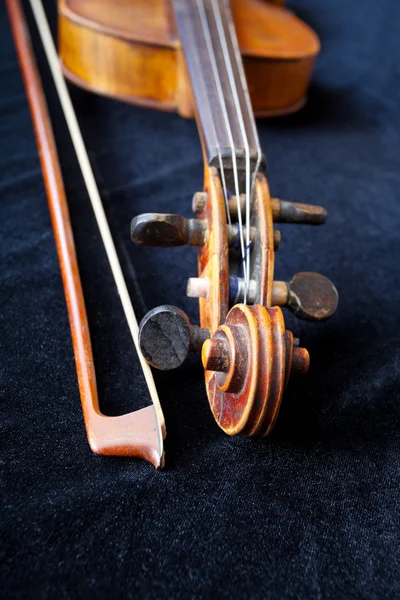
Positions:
(279, 51)
(123, 49)
(130, 51)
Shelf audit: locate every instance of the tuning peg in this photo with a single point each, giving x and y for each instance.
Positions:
(233, 234)
(293, 212)
(310, 296)
(197, 287)
(166, 337)
(284, 211)
(277, 239)
(155, 229)
(199, 202)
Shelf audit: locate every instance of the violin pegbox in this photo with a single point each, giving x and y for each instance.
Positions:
(247, 354)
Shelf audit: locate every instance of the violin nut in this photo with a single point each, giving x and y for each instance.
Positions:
(199, 202)
(197, 287)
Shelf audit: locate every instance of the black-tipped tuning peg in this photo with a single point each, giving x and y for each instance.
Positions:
(155, 229)
(310, 296)
(166, 337)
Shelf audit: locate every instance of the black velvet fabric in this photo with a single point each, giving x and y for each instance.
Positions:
(311, 512)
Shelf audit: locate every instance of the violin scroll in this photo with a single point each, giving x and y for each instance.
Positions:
(248, 362)
(247, 353)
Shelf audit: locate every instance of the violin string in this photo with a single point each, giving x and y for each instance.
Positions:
(251, 119)
(94, 195)
(211, 121)
(224, 188)
(245, 89)
(217, 80)
(242, 126)
(211, 53)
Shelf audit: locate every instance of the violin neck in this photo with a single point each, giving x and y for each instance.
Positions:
(224, 114)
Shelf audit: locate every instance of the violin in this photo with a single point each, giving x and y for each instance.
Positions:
(224, 63)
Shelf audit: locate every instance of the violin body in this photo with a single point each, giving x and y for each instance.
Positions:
(130, 50)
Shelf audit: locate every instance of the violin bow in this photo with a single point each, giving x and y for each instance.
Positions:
(139, 433)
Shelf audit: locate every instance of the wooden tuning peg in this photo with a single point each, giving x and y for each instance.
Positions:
(284, 211)
(310, 296)
(166, 337)
(233, 234)
(199, 202)
(293, 212)
(155, 229)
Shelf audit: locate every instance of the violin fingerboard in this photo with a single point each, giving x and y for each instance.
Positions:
(224, 113)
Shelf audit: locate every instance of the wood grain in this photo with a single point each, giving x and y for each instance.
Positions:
(131, 51)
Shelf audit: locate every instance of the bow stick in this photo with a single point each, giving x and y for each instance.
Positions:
(138, 433)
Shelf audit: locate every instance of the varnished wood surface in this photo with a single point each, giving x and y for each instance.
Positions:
(245, 396)
(213, 262)
(130, 50)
